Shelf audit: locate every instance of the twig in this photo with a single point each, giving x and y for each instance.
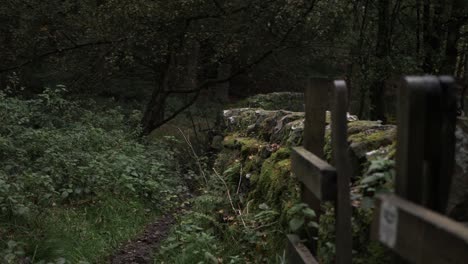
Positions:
(197, 159)
(267, 225)
(58, 51)
(240, 180)
(236, 211)
(193, 124)
(248, 206)
(240, 215)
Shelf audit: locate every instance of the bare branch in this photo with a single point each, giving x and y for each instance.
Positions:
(180, 110)
(211, 82)
(57, 51)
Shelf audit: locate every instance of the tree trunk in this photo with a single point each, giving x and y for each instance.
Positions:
(427, 65)
(462, 61)
(434, 34)
(418, 27)
(377, 92)
(465, 81)
(156, 108)
(361, 62)
(155, 111)
(453, 36)
(180, 73)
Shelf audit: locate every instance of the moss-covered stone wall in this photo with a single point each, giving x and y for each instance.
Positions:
(255, 158)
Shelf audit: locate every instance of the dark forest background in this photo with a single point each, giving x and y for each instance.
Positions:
(150, 51)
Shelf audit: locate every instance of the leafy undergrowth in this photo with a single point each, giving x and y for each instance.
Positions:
(213, 232)
(245, 211)
(232, 221)
(76, 180)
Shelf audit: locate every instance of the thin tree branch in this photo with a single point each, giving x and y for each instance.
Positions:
(236, 211)
(194, 154)
(57, 51)
(180, 110)
(210, 82)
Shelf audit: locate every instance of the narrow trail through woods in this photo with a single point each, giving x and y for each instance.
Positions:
(140, 250)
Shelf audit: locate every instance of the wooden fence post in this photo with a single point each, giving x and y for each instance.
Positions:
(411, 223)
(446, 143)
(316, 105)
(425, 145)
(319, 179)
(411, 139)
(343, 166)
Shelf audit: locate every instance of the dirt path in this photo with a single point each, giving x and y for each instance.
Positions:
(141, 249)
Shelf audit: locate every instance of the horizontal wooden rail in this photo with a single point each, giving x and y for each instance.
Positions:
(316, 174)
(298, 252)
(417, 234)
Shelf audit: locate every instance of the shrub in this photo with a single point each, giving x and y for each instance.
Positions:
(57, 152)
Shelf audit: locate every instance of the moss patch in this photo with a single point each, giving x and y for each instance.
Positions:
(369, 140)
(276, 185)
(381, 136)
(362, 125)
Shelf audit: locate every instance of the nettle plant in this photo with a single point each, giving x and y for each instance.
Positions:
(302, 219)
(377, 179)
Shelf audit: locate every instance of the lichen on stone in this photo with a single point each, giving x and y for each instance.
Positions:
(371, 139)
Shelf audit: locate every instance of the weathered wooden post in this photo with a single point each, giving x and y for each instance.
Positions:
(446, 151)
(343, 166)
(318, 178)
(426, 138)
(316, 104)
(411, 221)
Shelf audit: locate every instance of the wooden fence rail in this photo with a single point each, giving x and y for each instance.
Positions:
(411, 221)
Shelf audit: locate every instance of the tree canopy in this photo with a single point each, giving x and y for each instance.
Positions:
(178, 46)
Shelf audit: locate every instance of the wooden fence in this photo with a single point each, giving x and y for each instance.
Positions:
(320, 181)
(410, 222)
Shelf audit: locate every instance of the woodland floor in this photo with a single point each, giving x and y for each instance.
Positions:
(141, 249)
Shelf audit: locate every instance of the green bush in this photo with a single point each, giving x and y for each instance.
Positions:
(57, 152)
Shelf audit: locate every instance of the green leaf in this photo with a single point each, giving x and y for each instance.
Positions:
(296, 223)
(309, 212)
(367, 203)
(22, 210)
(296, 208)
(372, 178)
(11, 244)
(313, 224)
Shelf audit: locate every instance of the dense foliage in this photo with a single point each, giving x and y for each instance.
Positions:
(56, 152)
